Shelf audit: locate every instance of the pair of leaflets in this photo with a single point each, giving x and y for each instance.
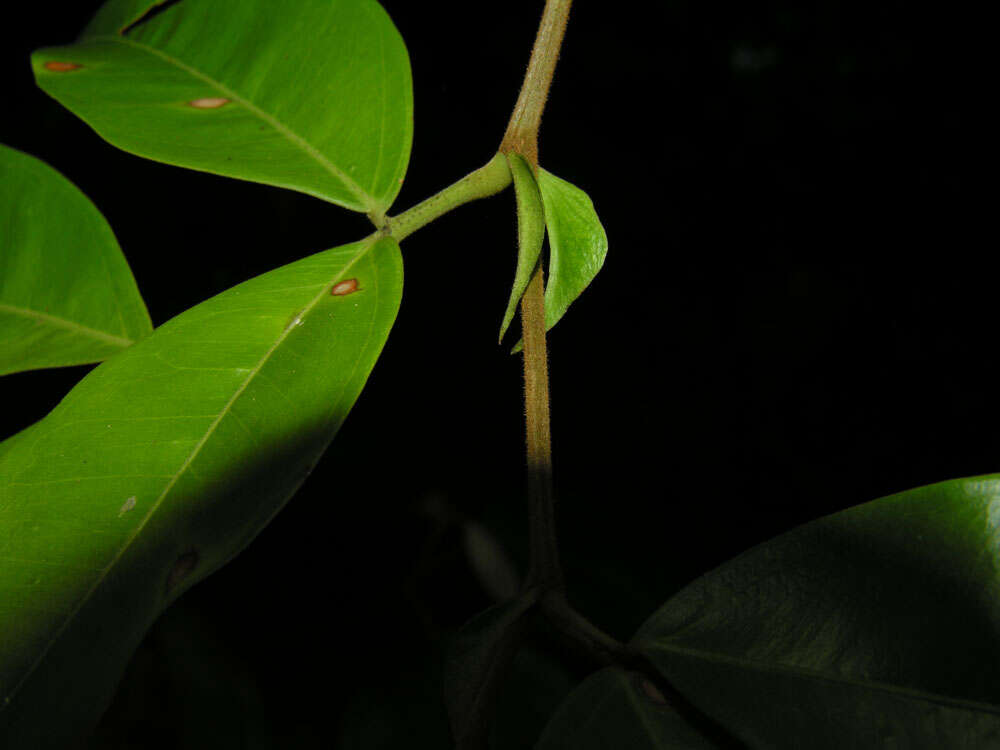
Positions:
(168, 458)
(578, 243)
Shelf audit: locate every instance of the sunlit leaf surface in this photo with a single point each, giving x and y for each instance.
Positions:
(313, 95)
(162, 464)
(67, 296)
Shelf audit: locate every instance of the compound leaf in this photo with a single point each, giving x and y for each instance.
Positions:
(162, 464)
(314, 95)
(67, 296)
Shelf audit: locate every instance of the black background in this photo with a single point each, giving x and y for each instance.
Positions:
(797, 314)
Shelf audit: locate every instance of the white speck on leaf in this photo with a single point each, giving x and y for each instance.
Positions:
(127, 506)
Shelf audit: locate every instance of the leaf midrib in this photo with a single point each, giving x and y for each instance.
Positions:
(358, 193)
(808, 674)
(366, 246)
(67, 324)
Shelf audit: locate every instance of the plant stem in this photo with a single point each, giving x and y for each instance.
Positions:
(521, 137)
(488, 180)
(522, 129)
(545, 570)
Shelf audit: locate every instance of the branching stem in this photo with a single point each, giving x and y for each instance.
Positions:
(488, 180)
(522, 130)
(521, 137)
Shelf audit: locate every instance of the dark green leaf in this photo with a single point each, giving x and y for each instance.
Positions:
(313, 95)
(530, 232)
(67, 296)
(876, 627)
(577, 243)
(478, 658)
(618, 710)
(162, 464)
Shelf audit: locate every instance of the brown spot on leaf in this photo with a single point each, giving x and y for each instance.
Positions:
(344, 287)
(209, 102)
(183, 566)
(56, 66)
(652, 692)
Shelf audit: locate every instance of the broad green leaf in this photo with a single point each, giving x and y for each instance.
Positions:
(478, 658)
(314, 95)
(530, 232)
(618, 710)
(577, 243)
(876, 627)
(67, 296)
(162, 464)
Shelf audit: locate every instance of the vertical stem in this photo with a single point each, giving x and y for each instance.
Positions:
(521, 137)
(545, 569)
(522, 129)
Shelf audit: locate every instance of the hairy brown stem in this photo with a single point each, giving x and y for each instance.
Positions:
(522, 129)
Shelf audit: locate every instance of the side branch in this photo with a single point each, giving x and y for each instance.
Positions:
(488, 180)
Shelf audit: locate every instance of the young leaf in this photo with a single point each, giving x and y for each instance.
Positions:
(615, 709)
(314, 95)
(479, 655)
(162, 464)
(875, 627)
(530, 232)
(67, 296)
(577, 243)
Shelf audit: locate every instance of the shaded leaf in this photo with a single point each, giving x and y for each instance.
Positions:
(478, 657)
(530, 233)
(618, 710)
(314, 95)
(578, 244)
(875, 627)
(67, 296)
(162, 464)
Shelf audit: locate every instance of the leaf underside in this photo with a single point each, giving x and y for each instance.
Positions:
(315, 96)
(67, 296)
(162, 464)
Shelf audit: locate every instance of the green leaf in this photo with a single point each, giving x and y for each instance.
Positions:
(67, 296)
(618, 710)
(577, 243)
(162, 464)
(872, 628)
(478, 658)
(314, 95)
(530, 232)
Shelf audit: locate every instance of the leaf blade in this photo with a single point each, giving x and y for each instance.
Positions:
(530, 233)
(578, 244)
(265, 101)
(67, 295)
(612, 709)
(877, 624)
(478, 657)
(163, 463)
